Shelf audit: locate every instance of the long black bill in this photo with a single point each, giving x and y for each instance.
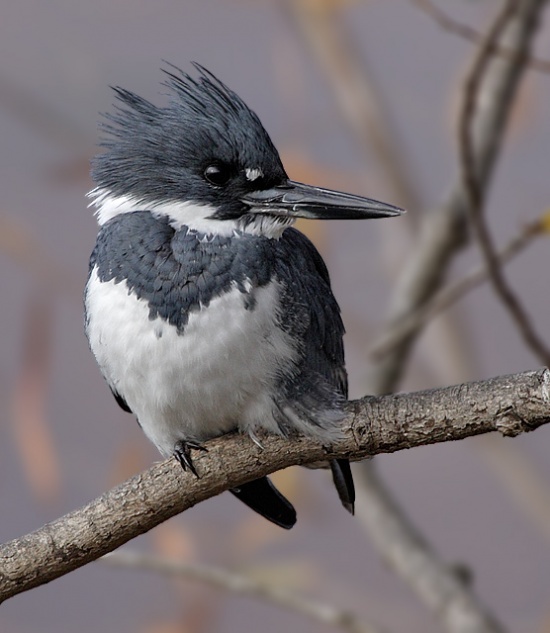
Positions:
(294, 199)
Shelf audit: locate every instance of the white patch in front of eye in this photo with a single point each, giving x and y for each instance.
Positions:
(253, 174)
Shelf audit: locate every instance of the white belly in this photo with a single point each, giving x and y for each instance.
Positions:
(219, 375)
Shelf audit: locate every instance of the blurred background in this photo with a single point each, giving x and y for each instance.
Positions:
(361, 96)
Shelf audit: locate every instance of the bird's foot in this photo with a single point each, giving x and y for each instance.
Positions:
(182, 452)
(255, 439)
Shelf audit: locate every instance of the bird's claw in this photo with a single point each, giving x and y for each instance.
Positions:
(182, 452)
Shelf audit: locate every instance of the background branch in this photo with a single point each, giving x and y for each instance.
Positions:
(445, 591)
(243, 584)
(382, 424)
(471, 177)
(444, 232)
(411, 78)
(466, 32)
(455, 290)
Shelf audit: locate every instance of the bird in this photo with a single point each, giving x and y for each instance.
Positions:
(206, 311)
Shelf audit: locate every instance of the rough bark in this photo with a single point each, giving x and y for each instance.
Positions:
(381, 424)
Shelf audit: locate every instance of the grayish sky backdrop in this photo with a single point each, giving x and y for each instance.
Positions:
(58, 59)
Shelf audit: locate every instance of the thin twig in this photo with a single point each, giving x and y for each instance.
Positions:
(453, 292)
(472, 90)
(444, 232)
(508, 404)
(475, 192)
(465, 31)
(242, 584)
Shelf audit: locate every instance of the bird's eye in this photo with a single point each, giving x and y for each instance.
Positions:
(217, 174)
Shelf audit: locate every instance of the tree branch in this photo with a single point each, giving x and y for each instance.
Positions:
(440, 587)
(471, 177)
(243, 584)
(382, 424)
(447, 23)
(454, 291)
(444, 232)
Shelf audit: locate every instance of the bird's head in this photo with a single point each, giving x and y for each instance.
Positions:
(206, 161)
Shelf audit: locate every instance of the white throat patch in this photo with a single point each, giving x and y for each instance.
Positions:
(192, 214)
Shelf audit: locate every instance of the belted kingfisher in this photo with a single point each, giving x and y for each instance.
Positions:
(206, 312)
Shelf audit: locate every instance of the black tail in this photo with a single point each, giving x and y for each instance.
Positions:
(262, 496)
(343, 480)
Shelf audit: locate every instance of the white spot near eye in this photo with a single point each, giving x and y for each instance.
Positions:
(253, 174)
